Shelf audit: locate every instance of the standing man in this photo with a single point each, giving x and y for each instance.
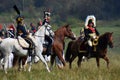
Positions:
(33, 28)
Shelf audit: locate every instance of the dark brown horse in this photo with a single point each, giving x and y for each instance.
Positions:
(78, 48)
(59, 43)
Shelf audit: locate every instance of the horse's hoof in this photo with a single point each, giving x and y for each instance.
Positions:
(60, 66)
(19, 69)
(5, 72)
(50, 68)
(29, 70)
(49, 71)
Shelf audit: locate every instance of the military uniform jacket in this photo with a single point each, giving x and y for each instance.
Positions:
(21, 31)
(89, 31)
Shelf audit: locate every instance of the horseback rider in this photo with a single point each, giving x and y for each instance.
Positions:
(11, 31)
(33, 28)
(90, 32)
(49, 37)
(21, 31)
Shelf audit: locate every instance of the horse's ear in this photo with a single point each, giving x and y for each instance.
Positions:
(67, 25)
(111, 32)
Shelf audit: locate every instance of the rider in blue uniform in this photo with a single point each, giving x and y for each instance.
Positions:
(21, 31)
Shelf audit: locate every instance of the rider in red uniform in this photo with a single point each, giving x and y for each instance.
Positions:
(90, 32)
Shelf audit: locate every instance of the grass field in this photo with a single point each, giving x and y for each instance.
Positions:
(88, 70)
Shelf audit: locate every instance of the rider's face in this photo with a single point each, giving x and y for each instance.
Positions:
(90, 25)
(48, 18)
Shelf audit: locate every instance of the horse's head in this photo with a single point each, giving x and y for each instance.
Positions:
(69, 33)
(110, 40)
(106, 39)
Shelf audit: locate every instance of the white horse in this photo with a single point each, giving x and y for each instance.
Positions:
(9, 45)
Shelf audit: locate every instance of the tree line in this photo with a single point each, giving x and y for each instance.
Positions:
(62, 9)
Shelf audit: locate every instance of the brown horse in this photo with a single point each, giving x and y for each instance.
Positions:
(59, 43)
(78, 48)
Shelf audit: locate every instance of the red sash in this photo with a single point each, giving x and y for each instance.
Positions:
(92, 29)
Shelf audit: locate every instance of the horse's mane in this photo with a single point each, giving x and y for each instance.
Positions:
(105, 34)
(61, 28)
(103, 39)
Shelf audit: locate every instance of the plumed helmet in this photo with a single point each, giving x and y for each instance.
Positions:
(19, 19)
(90, 19)
(47, 14)
(11, 27)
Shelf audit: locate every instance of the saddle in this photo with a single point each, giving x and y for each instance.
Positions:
(27, 44)
(84, 44)
(22, 42)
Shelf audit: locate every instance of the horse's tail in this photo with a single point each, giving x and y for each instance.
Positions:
(68, 52)
(0, 40)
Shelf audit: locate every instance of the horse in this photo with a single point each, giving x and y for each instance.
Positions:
(59, 43)
(78, 48)
(9, 45)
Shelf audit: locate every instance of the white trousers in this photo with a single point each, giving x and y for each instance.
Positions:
(90, 42)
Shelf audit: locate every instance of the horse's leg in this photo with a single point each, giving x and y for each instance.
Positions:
(71, 60)
(44, 61)
(107, 61)
(98, 61)
(30, 65)
(58, 63)
(24, 62)
(52, 60)
(5, 61)
(15, 59)
(20, 64)
(79, 61)
(60, 56)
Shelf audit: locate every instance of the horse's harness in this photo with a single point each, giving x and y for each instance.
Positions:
(94, 43)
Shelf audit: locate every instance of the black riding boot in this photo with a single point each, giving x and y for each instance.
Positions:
(49, 39)
(49, 50)
(31, 46)
(89, 51)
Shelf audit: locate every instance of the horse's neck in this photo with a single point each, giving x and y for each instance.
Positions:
(59, 35)
(103, 42)
(39, 35)
(40, 31)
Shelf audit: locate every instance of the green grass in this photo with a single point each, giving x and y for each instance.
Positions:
(88, 70)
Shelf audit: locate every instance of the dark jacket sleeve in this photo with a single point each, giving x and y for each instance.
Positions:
(97, 33)
(22, 29)
(86, 31)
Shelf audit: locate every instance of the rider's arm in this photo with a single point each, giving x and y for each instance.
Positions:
(50, 30)
(86, 31)
(23, 30)
(97, 33)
